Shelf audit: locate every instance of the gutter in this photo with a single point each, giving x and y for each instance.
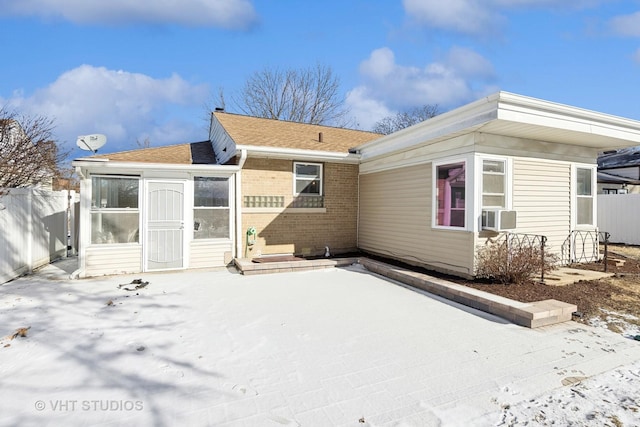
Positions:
(135, 166)
(300, 154)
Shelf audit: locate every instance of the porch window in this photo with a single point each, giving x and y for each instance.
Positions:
(584, 196)
(450, 195)
(211, 212)
(307, 179)
(493, 184)
(114, 210)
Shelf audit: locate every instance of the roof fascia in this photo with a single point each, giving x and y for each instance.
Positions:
(526, 110)
(298, 154)
(140, 166)
(462, 120)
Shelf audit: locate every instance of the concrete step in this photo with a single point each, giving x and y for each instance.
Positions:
(530, 315)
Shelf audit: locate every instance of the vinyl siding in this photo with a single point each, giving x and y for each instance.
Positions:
(395, 221)
(117, 259)
(542, 198)
(209, 254)
(220, 141)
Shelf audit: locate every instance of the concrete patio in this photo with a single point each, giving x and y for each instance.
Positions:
(531, 315)
(338, 346)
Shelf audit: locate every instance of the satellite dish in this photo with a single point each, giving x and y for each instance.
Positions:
(91, 142)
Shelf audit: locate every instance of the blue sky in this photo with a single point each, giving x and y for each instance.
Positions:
(147, 69)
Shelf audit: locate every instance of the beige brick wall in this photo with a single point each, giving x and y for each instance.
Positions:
(305, 233)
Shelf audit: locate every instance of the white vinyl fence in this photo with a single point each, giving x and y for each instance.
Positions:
(619, 214)
(33, 229)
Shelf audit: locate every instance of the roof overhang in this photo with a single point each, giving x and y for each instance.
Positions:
(515, 116)
(297, 154)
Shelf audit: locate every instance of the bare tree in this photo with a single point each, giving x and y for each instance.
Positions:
(309, 95)
(29, 154)
(145, 143)
(405, 119)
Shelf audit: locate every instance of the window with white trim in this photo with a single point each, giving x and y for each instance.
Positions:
(450, 194)
(114, 209)
(211, 211)
(494, 183)
(584, 196)
(307, 179)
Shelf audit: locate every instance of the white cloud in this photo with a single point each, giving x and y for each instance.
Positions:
(636, 56)
(365, 108)
(460, 76)
(231, 14)
(477, 17)
(125, 106)
(468, 63)
(626, 25)
(465, 16)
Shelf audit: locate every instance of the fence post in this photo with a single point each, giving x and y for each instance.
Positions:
(606, 251)
(29, 230)
(508, 252)
(543, 241)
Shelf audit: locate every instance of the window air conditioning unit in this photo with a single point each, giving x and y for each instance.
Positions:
(498, 219)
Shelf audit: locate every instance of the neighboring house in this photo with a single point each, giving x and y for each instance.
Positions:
(619, 171)
(419, 195)
(190, 205)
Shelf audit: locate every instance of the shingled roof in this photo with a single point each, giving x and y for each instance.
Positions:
(196, 153)
(256, 131)
(250, 131)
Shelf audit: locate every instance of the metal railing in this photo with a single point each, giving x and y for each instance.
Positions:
(519, 241)
(583, 246)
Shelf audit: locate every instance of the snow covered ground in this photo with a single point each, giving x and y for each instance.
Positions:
(321, 348)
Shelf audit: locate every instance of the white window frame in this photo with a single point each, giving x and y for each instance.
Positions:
(97, 210)
(468, 199)
(507, 181)
(296, 178)
(575, 196)
(228, 207)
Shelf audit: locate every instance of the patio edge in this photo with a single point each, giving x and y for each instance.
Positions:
(530, 315)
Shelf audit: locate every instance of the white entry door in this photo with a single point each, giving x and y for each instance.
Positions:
(165, 225)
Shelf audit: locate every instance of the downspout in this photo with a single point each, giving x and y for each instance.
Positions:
(239, 231)
(80, 272)
(358, 212)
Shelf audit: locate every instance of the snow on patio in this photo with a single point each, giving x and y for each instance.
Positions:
(327, 348)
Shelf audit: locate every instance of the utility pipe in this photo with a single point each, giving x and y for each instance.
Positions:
(238, 192)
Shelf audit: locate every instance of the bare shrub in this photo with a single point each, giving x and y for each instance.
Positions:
(506, 263)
